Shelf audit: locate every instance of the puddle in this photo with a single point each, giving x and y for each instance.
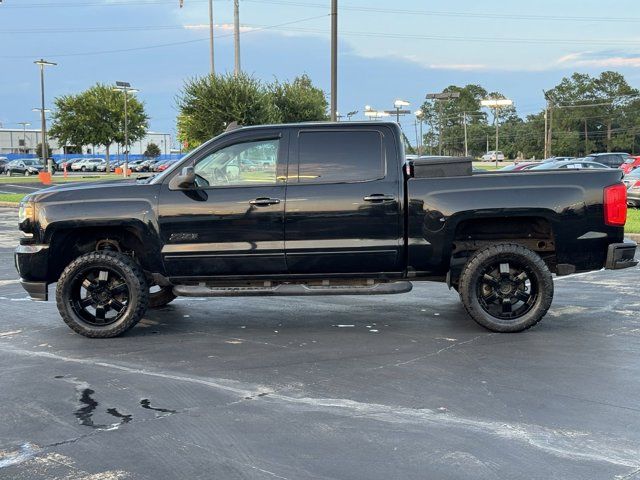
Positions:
(145, 403)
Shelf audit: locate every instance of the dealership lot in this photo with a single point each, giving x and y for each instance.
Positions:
(402, 386)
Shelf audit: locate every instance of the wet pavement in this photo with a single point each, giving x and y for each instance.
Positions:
(383, 387)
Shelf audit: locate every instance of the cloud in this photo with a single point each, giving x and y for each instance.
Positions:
(223, 27)
(465, 67)
(603, 59)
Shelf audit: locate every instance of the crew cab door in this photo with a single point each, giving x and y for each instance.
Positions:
(232, 222)
(344, 201)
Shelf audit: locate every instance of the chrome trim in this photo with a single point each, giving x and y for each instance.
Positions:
(31, 248)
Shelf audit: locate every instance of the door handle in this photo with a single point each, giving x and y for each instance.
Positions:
(261, 202)
(378, 197)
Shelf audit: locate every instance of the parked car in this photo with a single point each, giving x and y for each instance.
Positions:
(87, 165)
(556, 159)
(359, 219)
(632, 181)
(630, 164)
(577, 164)
(517, 167)
(493, 156)
(24, 166)
(3, 163)
(611, 160)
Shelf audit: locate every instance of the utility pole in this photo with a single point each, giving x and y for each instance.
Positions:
(546, 130)
(420, 118)
(464, 124)
(586, 138)
(43, 63)
(334, 60)
(236, 35)
(213, 68)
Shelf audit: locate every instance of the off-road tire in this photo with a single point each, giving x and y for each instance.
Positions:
(505, 252)
(162, 297)
(136, 282)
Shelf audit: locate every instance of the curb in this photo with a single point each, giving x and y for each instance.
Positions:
(9, 204)
(633, 236)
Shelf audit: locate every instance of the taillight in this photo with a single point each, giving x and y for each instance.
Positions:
(615, 205)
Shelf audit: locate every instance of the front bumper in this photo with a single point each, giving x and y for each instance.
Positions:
(621, 255)
(32, 262)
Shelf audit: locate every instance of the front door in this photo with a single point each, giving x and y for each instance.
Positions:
(343, 201)
(232, 223)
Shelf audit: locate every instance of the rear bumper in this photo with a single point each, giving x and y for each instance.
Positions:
(32, 262)
(621, 255)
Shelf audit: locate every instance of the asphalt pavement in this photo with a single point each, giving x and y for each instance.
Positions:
(386, 387)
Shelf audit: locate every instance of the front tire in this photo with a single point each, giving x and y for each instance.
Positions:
(102, 294)
(506, 287)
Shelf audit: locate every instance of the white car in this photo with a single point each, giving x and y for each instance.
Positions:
(87, 165)
(493, 156)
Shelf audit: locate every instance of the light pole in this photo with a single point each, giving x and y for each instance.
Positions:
(351, 114)
(420, 118)
(334, 60)
(126, 88)
(497, 104)
(373, 114)
(45, 157)
(398, 110)
(236, 35)
(24, 134)
(439, 98)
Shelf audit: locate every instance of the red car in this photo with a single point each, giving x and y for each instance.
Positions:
(630, 164)
(517, 167)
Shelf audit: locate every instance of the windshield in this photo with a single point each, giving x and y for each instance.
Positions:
(31, 162)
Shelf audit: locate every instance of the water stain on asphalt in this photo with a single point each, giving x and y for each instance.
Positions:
(145, 403)
(85, 413)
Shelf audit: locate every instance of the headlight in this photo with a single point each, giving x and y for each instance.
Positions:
(26, 214)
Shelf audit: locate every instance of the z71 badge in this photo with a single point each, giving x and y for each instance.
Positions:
(183, 237)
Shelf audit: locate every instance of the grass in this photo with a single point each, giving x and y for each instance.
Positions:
(633, 221)
(11, 197)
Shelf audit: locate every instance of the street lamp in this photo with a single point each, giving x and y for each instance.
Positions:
(497, 104)
(419, 119)
(351, 114)
(373, 114)
(398, 110)
(126, 88)
(439, 98)
(44, 63)
(24, 134)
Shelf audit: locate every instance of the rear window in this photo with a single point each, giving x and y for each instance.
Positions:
(340, 156)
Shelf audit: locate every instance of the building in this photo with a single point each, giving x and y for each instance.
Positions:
(24, 141)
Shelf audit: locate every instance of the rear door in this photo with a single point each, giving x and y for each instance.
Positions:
(344, 200)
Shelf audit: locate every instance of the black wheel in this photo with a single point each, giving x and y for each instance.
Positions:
(83, 169)
(102, 294)
(160, 296)
(506, 287)
(27, 173)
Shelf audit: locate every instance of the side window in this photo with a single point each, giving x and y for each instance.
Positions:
(241, 164)
(340, 156)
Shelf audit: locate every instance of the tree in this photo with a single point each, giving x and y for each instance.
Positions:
(39, 152)
(299, 101)
(208, 104)
(96, 117)
(152, 151)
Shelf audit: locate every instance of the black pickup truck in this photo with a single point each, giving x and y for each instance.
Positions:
(318, 209)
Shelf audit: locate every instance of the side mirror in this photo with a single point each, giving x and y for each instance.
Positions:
(185, 181)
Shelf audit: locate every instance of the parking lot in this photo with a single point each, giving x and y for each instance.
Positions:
(379, 387)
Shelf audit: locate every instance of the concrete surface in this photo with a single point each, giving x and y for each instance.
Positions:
(389, 387)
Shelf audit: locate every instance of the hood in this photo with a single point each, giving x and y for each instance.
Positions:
(79, 191)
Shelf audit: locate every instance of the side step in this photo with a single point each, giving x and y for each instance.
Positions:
(289, 289)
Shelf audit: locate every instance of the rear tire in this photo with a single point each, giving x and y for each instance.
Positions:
(102, 294)
(506, 287)
(162, 297)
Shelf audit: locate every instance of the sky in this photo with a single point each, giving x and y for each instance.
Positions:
(387, 50)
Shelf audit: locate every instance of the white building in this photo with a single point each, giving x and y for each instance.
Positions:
(19, 140)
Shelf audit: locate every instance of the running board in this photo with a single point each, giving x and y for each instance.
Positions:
(287, 289)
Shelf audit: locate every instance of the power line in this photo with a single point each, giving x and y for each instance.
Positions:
(162, 45)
